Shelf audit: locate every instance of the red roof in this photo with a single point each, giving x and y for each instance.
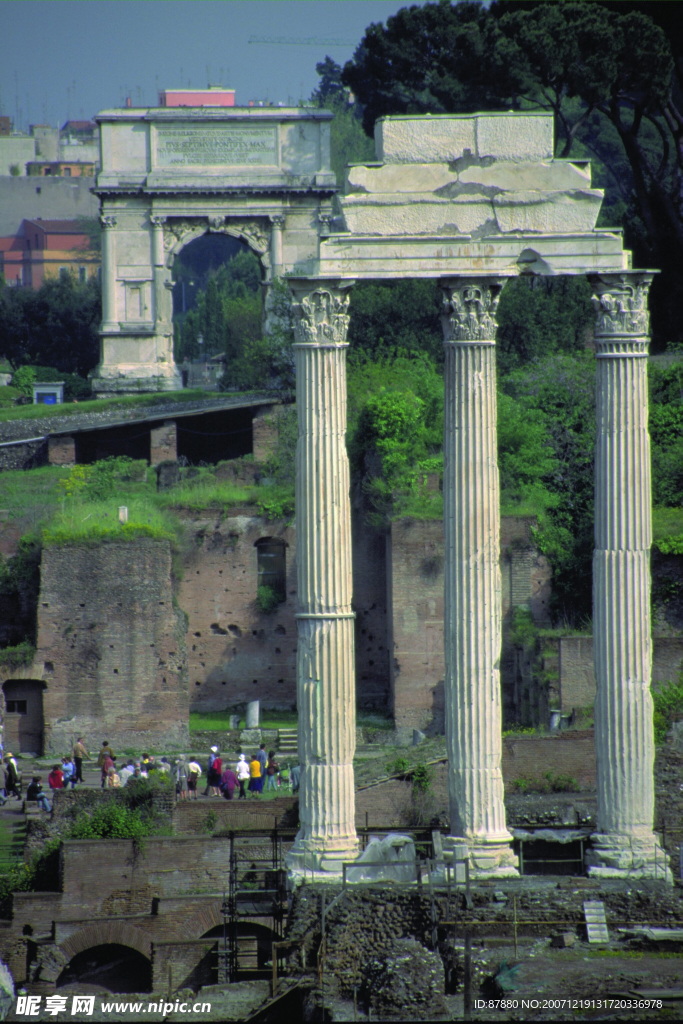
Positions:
(79, 126)
(59, 227)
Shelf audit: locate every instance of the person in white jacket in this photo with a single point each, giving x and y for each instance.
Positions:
(243, 775)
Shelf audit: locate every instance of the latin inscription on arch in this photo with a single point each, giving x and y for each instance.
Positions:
(212, 145)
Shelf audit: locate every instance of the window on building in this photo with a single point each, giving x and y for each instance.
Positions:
(82, 275)
(16, 707)
(63, 271)
(271, 561)
(67, 172)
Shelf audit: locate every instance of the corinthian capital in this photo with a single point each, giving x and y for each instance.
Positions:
(156, 220)
(470, 309)
(620, 303)
(107, 220)
(320, 312)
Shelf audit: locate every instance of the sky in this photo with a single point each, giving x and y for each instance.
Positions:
(63, 59)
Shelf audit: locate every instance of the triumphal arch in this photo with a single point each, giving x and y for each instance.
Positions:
(471, 200)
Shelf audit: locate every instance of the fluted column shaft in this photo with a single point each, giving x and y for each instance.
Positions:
(472, 612)
(109, 318)
(325, 655)
(277, 221)
(162, 298)
(624, 739)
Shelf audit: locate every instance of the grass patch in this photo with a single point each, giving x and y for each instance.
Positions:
(30, 496)
(38, 412)
(219, 721)
(96, 521)
(373, 720)
(208, 492)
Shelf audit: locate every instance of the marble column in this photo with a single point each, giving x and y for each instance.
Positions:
(162, 306)
(109, 319)
(325, 654)
(472, 612)
(625, 845)
(277, 221)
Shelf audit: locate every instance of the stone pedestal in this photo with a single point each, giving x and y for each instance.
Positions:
(253, 717)
(325, 657)
(472, 607)
(625, 845)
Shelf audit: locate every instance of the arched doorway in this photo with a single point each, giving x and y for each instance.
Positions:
(112, 966)
(254, 946)
(217, 307)
(23, 727)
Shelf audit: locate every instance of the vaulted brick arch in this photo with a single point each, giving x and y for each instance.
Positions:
(203, 921)
(107, 933)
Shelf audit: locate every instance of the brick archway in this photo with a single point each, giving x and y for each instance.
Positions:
(104, 934)
(203, 921)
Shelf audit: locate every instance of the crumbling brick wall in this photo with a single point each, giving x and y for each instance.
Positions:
(112, 647)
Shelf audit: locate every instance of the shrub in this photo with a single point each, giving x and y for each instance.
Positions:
(399, 766)
(267, 599)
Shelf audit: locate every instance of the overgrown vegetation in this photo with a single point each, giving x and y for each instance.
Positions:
(667, 699)
(267, 599)
(549, 783)
(41, 874)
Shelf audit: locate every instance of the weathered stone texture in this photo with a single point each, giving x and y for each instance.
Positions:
(163, 442)
(236, 652)
(112, 646)
(61, 450)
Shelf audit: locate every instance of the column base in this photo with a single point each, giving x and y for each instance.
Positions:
(618, 856)
(494, 859)
(321, 862)
(113, 387)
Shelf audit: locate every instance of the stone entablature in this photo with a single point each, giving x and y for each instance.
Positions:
(465, 194)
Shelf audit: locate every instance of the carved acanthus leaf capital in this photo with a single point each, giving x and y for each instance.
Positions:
(156, 220)
(107, 220)
(620, 303)
(277, 220)
(470, 309)
(320, 315)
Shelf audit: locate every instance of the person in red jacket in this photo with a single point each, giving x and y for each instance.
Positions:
(56, 778)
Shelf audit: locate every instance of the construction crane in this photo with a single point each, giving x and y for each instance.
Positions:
(309, 41)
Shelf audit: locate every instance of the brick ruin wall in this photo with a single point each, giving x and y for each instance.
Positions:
(111, 657)
(236, 652)
(415, 588)
(111, 646)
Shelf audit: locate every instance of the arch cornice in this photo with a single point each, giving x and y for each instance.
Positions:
(254, 231)
(107, 933)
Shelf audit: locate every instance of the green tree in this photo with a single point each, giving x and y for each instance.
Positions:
(541, 315)
(400, 319)
(561, 388)
(57, 325)
(608, 75)
(348, 142)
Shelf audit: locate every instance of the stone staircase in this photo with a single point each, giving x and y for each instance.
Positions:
(287, 741)
(12, 839)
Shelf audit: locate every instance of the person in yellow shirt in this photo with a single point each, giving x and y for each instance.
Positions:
(256, 780)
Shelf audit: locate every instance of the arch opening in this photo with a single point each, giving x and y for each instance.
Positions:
(112, 966)
(271, 561)
(217, 308)
(254, 946)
